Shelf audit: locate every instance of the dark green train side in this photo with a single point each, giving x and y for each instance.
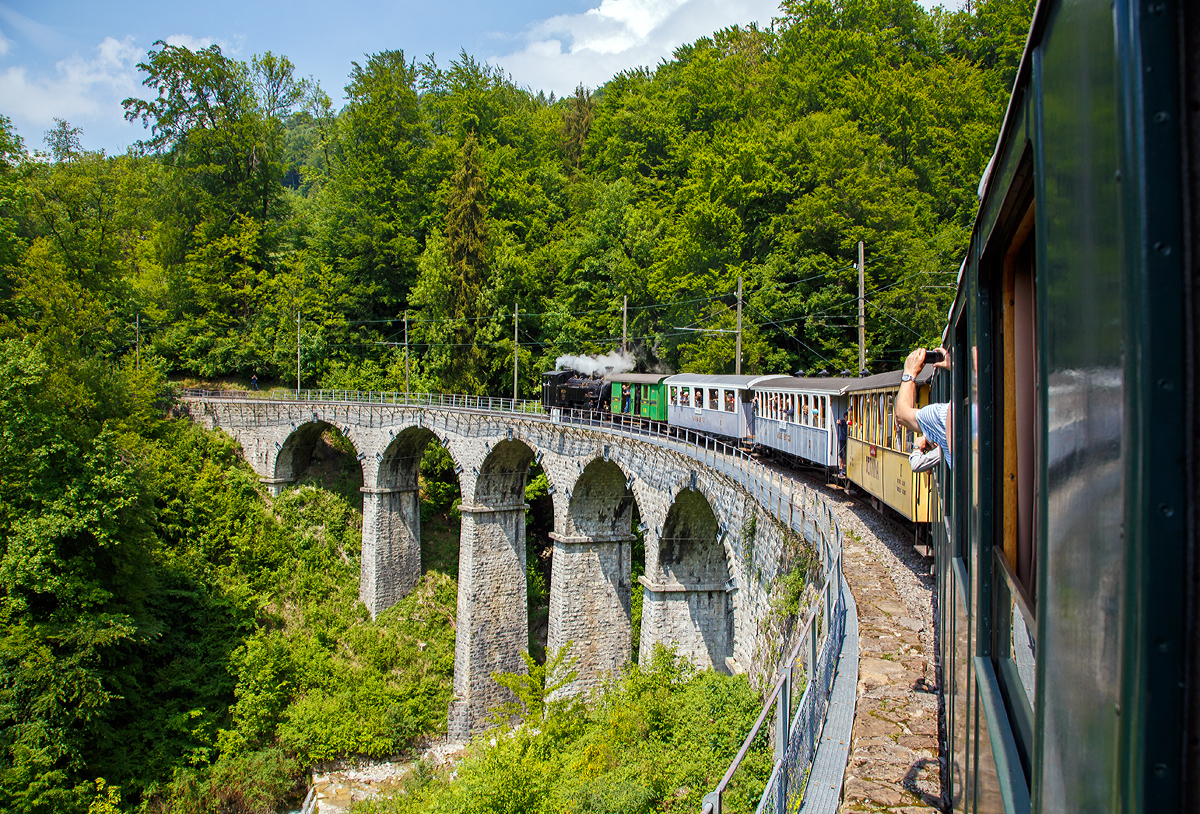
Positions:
(1066, 550)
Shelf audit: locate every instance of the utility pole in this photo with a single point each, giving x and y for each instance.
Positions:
(862, 320)
(516, 348)
(738, 364)
(625, 324)
(406, 355)
(297, 354)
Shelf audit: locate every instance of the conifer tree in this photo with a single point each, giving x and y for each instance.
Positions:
(466, 245)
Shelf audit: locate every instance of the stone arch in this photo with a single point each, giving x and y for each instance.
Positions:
(601, 501)
(501, 479)
(293, 455)
(686, 598)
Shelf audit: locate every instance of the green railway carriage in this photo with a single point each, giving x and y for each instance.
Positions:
(639, 394)
(1067, 564)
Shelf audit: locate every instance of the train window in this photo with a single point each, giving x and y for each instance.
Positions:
(821, 421)
(714, 401)
(889, 425)
(1018, 330)
(729, 402)
(674, 395)
(685, 393)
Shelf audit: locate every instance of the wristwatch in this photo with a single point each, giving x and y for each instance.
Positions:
(907, 377)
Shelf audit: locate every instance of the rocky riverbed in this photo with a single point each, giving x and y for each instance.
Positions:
(340, 784)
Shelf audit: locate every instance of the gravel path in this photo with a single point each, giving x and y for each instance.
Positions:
(894, 760)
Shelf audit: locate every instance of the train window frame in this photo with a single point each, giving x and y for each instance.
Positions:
(1014, 623)
(889, 432)
(1008, 268)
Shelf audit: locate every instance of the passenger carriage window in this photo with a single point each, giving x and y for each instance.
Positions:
(714, 401)
(729, 402)
(824, 402)
(674, 395)
(1016, 433)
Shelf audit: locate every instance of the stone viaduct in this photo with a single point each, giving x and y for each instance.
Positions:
(716, 536)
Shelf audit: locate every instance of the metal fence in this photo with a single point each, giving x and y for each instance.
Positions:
(810, 666)
(453, 401)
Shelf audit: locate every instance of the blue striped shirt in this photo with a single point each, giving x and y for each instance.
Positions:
(932, 420)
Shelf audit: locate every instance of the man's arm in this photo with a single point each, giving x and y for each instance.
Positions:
(906, 399)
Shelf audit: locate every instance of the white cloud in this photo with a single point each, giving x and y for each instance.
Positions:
(563, 51)
(81, 89)
(4, 45)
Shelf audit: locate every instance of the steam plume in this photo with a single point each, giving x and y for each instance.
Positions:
(619, 362)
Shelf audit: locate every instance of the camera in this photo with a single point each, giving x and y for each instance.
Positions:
(932, 357)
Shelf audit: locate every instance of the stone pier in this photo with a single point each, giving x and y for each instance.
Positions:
(391, 546)
(590, 601)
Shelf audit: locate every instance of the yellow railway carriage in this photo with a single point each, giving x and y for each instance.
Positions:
(877, 448)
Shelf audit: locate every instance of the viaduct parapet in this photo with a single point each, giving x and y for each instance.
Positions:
(717, 531)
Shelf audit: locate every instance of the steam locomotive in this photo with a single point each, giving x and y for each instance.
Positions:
(573, 390)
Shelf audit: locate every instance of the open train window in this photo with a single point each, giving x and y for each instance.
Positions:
(1018, 332)
(1014, 555)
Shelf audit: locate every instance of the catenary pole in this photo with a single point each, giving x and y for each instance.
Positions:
(138, 355)
(406, 355)
(738, 354)
(862, 320)
(297, 354)
(516, 348)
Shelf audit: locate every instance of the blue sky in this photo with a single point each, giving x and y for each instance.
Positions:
(77, 60)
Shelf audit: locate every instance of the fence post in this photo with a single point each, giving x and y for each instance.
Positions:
(783, 719)
(812, 652)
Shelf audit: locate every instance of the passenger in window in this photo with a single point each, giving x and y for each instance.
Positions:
(787, 410)
(625, 398)
(934, 421)
(924, 455)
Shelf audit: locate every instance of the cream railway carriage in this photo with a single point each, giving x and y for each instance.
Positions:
(877, 448)
(798, 417)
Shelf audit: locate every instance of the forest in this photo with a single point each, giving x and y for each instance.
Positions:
(172, 639)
